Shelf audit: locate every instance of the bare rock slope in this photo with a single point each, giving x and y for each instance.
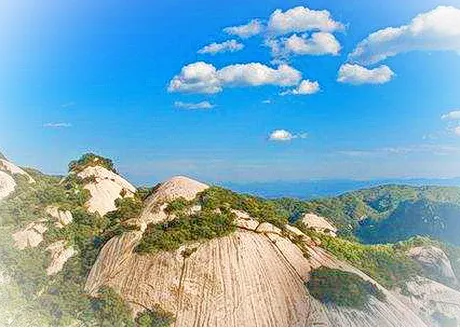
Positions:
(253, 277)
(105, 187)
(435, 260)
(428, 297)
(7, 182)
(319, 223)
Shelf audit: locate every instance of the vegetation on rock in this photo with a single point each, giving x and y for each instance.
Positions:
(341, 288)
(110, 309)
(186, 229)
(258, 208)
(91, 159)
(155, 318)
(385, 263)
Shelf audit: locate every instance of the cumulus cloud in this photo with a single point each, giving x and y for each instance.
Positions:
(57, 125)
(306, 87)
(200, 105)
(356, 74)
(256, 74)
(284, 135)
(198, 77)
(320, 43)
(201, 77)
(301, 19)
(227, 46)
(436, 30)
(248, 30)
(451, 116)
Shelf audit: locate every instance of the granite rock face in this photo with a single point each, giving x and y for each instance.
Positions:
(435, 260)
(105, 187)
(253, 277)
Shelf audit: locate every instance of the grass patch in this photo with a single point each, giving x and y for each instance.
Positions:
(341, 288)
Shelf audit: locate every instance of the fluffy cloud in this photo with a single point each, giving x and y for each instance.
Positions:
(57, 125)
(198, 77)
(256, 74)
(436, 30)
(301, 19)
(305, 87)
(452, 116)
(283, 135)
(252, 28)
(201, 77)
(320, 43)
(356, 74)
(200, 105)
(227, 46)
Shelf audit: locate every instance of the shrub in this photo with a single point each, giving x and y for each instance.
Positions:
(155, 318)
(91, 159)
(169, 236)
(178, 205)
(384, 263)
(261, 209)
(111, 310)
(341, 288)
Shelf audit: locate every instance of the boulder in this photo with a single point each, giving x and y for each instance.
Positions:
(31, 235)
(7, 185)
(434, 260)
(60, 254)
(62, 218)
(266, 227)
(248, 224)
(320, 224)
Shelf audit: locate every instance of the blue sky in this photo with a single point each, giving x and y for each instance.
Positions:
(80, 76)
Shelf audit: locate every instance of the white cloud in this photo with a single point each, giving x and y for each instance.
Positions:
(320, 43)
(201, 77)
(256, 74)
(198, 77)
(227, 46)
(306, 87)
(451, 116)
(356, 74)
(57, 125)
(283, 135)
(266, 101)
(457, 131)
(252, 28)
(200, 105)
(301, 19)
(436, 30)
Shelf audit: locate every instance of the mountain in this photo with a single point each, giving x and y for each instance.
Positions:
(319, 188)
(426, 210)
(91, 249)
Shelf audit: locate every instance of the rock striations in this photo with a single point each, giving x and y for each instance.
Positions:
(253, 277)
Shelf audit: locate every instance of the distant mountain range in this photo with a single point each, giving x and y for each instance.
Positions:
(310, 189)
